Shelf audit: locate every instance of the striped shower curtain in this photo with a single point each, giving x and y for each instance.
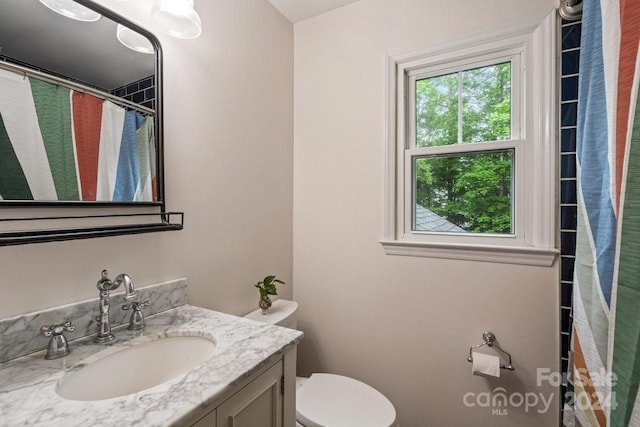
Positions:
(604, 379)
(57, 144)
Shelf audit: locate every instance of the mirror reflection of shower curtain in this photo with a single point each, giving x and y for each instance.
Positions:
(25, 172)
(57, 144)
(605, 376)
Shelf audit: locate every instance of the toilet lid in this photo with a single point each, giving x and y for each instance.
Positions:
(327, 400)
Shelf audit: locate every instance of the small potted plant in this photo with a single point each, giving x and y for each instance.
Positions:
(267, 287)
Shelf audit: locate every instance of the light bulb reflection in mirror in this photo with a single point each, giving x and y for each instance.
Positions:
(71, 9)
(133, 40)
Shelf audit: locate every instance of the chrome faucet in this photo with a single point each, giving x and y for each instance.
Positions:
(104, 286)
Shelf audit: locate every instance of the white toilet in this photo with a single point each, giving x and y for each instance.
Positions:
(327, 400)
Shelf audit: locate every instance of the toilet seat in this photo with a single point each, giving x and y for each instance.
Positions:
(327, 400)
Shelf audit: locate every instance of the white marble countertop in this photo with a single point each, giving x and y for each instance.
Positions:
(27, 384)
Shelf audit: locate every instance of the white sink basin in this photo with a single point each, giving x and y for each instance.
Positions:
(118, 372)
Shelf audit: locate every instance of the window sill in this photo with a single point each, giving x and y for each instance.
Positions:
(543, 257)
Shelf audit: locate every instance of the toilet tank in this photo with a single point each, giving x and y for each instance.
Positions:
(282, 313)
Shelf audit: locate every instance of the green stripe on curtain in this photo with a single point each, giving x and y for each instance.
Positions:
(53, 106)
(626, 355)
(13, 183)
(586, 276)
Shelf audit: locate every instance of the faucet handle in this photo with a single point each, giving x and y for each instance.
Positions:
(136, 305)
(58, 345)
(57, 328)
(136, 321)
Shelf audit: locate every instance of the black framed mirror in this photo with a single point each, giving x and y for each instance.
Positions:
(81, 122)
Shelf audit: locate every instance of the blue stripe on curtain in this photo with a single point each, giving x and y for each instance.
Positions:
(593, 132)
(128, 173)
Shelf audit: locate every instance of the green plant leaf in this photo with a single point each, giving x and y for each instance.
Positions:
(268, 286)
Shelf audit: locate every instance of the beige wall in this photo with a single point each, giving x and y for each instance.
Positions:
(402, 324)
(228, 124)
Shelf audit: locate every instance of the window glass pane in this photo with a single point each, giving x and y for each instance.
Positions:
(468, 193)
(486, 103)
(485, 94)
(437, 111)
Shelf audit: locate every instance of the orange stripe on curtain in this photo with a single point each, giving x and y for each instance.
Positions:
(580, 368)
(630, 36)
(87, 119)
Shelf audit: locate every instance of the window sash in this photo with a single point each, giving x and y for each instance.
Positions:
(410, 150)
(412, 76)
(414, 189)
(517, 196)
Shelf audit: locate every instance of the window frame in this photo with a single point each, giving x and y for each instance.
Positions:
(408, 149)
(530, 45)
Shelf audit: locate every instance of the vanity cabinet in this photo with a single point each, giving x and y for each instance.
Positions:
(264, 400)
(208, 420)
(257, 404)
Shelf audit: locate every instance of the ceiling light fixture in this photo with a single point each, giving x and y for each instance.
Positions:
(177, 18)
(72, 10)
(133, 40)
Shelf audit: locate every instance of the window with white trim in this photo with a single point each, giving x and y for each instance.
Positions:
(471, 148)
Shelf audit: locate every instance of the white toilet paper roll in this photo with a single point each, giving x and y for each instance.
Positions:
(485, 364)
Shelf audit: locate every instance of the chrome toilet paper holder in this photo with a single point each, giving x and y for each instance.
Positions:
(489, 339)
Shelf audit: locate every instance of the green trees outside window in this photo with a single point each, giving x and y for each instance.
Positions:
(472, 190)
